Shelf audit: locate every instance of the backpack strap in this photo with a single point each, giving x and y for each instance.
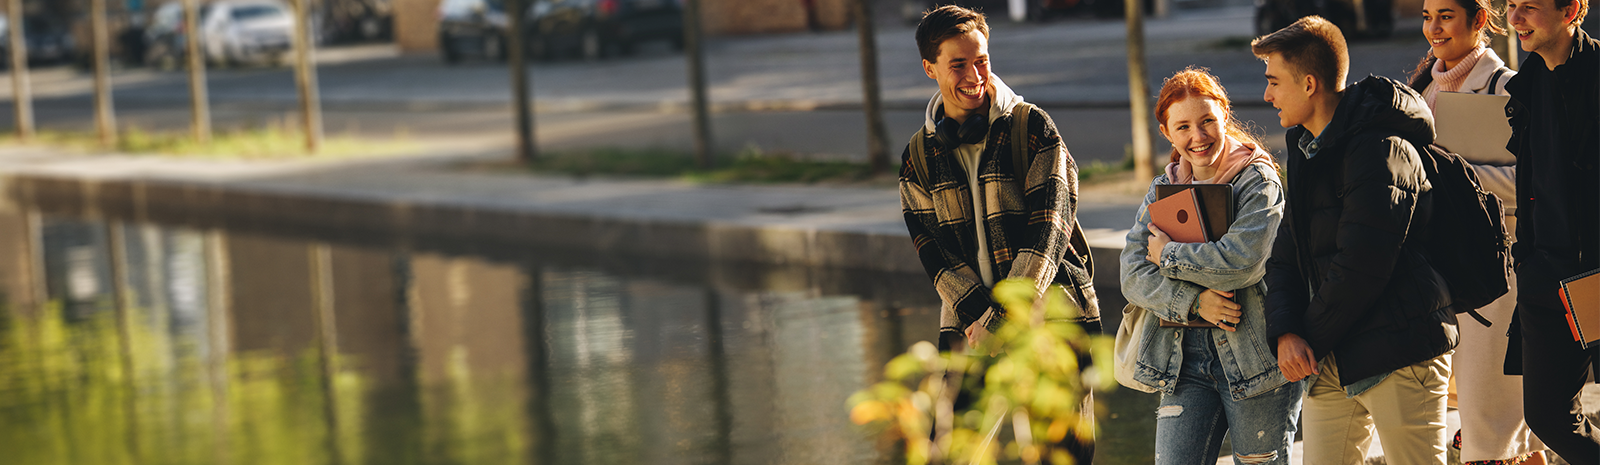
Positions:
(1479, 316)
(919, 164)
(1019, 162)
(1494, 81)
(1019, 143)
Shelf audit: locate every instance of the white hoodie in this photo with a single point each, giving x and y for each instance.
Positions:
(1001, 101)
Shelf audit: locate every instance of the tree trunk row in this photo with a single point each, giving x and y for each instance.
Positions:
(104, 112)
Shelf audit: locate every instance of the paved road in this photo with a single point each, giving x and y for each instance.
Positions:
(797, 93)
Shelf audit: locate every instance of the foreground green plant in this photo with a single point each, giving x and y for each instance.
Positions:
(1028, 397)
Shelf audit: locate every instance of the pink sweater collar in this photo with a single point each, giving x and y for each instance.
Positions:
(1450, 80)
(1236, 157)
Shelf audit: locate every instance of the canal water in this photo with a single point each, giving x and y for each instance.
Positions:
(169, 344)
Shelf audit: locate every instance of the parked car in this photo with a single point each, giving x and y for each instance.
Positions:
(234, 31)
(231, 32)
(595, 29)
(47, 41)
(472, 28)
(1356, 18)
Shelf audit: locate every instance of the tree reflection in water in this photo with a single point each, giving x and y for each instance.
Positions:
(136, 343)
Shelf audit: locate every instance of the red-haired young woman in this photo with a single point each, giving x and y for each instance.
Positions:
(1224, 381)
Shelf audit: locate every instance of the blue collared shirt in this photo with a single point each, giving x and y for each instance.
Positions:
(1309, 144)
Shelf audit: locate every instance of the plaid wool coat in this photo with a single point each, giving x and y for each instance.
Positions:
(1029, 233)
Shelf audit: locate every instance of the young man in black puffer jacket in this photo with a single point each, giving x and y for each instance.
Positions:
(1351, 297)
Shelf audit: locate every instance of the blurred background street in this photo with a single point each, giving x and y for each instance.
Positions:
(798, 93)
(218, 284)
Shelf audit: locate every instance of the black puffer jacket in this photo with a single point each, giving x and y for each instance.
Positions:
(1347, 272)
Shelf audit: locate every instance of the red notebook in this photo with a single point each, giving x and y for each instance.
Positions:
(1180, 217)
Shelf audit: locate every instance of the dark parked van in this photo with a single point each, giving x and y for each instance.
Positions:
(595, 29)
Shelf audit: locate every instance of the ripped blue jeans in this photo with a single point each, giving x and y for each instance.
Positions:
(1191, 421)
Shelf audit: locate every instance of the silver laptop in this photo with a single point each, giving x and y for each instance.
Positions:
(1473, 126)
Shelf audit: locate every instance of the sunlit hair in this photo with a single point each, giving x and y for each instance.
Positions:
(1469, 11)
(1198, 82)
(1583, 10)
(1311, 45)
(943, 23)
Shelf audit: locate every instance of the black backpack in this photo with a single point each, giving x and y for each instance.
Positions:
(1468, 244)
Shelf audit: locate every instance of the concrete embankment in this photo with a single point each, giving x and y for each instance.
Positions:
(422, 199)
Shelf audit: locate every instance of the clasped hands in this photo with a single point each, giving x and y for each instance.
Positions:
(1216, 307)
(1295, 357)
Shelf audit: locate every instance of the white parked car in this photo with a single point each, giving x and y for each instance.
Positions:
(234, 31)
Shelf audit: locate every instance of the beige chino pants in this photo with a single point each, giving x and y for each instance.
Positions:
(1406, 411)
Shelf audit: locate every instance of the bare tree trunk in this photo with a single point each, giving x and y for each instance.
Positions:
(1138, 91)
(121, 294)
(1504, 44)
(526, 150)
(21, 93)
(219, 345)
(105, 122)
(199, 100)
(305, 78)
(322, 300)
(1513, 46)
(695, 51)
(871, 89)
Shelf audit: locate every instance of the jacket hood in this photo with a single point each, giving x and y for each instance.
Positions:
(1380, 103)
(1001, 100)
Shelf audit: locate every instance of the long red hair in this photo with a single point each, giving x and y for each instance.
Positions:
(1198, 82)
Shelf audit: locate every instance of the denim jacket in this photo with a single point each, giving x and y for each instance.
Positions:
(1235, 263)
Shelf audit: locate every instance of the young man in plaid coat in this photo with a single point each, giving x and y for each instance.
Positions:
(975, 216)
(979, 210)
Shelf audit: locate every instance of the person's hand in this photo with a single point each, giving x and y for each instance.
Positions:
(1295, 357)
(977, 335)
(1218, 308)
(1158, 241)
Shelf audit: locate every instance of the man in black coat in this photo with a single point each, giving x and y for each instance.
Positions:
(1351, 297)
(1554, 105)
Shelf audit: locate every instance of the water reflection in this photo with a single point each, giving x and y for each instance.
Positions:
(125, 342)
(138, 343)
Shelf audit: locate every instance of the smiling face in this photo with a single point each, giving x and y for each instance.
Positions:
(963, 74)
(1540, 26)
(1288, 91)
(1450, 31)
(1195, 125)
